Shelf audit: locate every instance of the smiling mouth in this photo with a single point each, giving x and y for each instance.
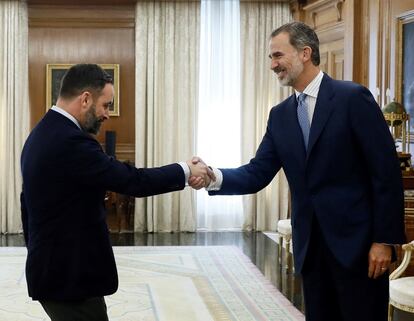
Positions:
(280, 72)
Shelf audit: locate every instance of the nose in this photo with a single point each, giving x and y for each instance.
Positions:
(106, 114)
(273, 64)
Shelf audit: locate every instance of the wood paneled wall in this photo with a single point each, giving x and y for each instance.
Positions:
(85, 34)
(385, 18)
(327, 19)
(359, 40)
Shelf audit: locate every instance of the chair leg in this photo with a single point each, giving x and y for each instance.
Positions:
(390, 312)
(280, 248)
(287, 255)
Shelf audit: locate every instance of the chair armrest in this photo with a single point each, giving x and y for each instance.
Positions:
(407, 248)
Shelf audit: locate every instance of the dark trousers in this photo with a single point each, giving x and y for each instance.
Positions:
(93, 309)
(333, 293)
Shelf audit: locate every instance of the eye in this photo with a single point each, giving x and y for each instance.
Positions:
(275, 55)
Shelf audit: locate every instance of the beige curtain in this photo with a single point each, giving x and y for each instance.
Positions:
(167, 55)
(14, 109)
(261, 91)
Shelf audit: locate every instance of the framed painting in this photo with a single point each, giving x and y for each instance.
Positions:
(55, 73)
(405, 65)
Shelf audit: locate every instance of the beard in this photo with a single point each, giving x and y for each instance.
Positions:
(291, 76)
(92, 124)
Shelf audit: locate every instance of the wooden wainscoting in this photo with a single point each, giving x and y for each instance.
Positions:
(84, 34)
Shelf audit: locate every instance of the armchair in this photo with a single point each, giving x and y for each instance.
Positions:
(402, 289)
(284, 229)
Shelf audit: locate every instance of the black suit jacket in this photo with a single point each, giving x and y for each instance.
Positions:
(349, 178)
(65, 177)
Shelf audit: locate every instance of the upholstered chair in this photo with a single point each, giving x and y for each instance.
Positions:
(402, 288)
(284, 229)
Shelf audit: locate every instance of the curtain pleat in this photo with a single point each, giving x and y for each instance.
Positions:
(14, 109)
(260, 91)
(167, 55)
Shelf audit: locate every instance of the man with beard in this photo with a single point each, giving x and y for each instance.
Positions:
(335, 148)
(70, 264)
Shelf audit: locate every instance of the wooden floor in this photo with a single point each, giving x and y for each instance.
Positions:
(262, 251)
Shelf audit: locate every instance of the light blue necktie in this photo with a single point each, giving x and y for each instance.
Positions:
(303, 118)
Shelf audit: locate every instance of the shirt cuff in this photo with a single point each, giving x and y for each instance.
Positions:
(215, 185)
(186, 170)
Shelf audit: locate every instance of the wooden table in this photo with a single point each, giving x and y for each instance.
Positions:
(120, 212)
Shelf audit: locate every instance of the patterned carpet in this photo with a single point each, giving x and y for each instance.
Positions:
(206, 283)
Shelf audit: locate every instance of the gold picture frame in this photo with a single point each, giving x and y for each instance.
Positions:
(405, 61)
(55, 72)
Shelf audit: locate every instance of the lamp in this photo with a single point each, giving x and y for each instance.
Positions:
(399, 123)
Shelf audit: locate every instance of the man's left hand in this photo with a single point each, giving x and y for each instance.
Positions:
(379, 259)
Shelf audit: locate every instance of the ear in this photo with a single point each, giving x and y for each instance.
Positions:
(307, 53)
(85, 99)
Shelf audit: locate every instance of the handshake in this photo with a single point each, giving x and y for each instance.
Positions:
(200, 174)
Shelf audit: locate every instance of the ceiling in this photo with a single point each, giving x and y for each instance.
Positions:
(116, 2)
(82, 2)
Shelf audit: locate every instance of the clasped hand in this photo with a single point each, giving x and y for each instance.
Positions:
(201, 175)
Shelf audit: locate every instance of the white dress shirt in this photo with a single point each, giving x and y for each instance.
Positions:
(66, 114)
(311, 91)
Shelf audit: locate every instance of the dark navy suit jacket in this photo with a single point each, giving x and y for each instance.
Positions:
(65, 177)
(349, 178)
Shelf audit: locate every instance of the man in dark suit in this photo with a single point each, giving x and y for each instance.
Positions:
(70, 264)
(340, 160)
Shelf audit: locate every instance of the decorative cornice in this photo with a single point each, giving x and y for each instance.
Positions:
(323, 5)
(70, 16)
(331, 32)
(79, 23)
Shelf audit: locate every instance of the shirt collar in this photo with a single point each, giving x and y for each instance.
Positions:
(312, 89)
(66, 114)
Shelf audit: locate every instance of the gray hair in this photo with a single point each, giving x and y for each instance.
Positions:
(300, 36)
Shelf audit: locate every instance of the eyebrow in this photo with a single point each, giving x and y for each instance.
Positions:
(275, 54)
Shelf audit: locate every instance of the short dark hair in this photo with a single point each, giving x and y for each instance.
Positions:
(300, 36)
(84, 77)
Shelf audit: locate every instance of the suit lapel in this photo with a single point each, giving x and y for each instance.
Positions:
(323, 109)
